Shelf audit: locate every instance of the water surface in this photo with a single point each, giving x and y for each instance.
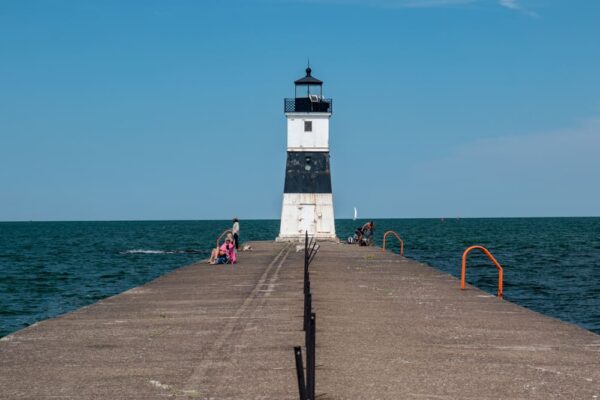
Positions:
(551, 265)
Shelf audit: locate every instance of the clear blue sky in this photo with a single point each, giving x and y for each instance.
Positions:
(173, 109)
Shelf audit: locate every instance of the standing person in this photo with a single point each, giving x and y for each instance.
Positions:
(236, 231)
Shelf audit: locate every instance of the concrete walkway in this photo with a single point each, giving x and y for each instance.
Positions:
(390, 328)
(387, 328)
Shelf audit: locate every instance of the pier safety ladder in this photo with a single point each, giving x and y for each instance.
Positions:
(463, 272)
(385, 235)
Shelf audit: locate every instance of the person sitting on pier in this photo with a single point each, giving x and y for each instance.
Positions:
(368, 230)
(225, 254)
(357, 238)
(230, 249)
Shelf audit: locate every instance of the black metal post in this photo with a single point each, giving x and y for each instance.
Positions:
(305, 249)
(306, 281)
(307, 310)
(309, 329)
(310, 356)
(307, 295)
(306, 277)
(300, 373)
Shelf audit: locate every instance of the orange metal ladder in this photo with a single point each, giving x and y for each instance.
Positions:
(463, 272)
(385, 235)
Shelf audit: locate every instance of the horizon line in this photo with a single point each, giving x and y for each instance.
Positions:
(278, 219)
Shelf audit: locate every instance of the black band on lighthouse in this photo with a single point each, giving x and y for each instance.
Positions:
(307, 172)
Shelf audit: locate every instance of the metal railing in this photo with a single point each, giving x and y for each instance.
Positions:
(463, 271)
(306, 387)
(304, 104)
(385, 235)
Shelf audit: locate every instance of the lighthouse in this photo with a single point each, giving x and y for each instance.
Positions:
(307, 196)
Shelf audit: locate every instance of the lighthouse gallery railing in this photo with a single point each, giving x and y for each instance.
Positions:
(305, 104)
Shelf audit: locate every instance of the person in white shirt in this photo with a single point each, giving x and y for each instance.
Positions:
(236, 232)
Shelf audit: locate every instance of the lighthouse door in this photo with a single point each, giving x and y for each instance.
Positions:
(308, 222)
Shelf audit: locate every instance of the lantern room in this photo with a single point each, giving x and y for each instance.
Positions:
(308, 96)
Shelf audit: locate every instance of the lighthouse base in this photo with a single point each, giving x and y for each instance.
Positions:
(307, 212)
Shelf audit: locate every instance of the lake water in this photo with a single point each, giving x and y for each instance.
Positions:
(551, 265)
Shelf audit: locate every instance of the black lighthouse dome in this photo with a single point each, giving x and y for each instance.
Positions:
(308, 85)
(308, 95)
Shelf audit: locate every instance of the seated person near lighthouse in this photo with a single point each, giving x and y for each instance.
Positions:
(368, 229)
(364, 234)
(225, 254)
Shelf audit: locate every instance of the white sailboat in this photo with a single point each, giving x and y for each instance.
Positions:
(355, 214)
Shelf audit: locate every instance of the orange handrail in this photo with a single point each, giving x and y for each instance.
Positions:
(398, 237)
(463, 272)
(222, 234)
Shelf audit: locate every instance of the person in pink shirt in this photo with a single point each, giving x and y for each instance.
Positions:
(229, 248)
(225, 254)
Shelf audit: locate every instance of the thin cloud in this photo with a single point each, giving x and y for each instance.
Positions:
(510, 4)
(430, 3)
(517, 6)
(540, 174)
(514, 5)
(394, 3)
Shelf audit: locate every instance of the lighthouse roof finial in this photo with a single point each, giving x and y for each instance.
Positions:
(308, 79)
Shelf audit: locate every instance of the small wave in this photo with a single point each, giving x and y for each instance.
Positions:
(143, 251)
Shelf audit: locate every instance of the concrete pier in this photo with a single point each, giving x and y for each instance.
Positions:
(387, 328)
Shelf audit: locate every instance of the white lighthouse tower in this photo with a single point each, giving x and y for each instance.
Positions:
(307, 196)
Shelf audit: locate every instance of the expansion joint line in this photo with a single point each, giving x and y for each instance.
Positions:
(196, 379)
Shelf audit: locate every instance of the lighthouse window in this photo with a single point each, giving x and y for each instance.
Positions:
(307, 126)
